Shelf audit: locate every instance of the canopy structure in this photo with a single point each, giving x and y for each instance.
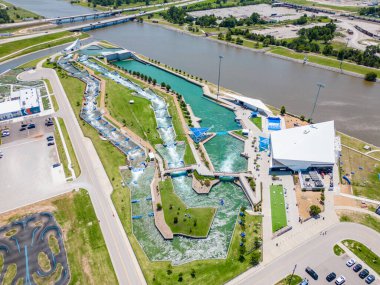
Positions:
(263, 144)
(253, 104)
(198, 134)
(304, 147)
(73, 47)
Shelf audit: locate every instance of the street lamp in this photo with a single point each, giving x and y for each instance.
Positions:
(320, 85)
(220, 63)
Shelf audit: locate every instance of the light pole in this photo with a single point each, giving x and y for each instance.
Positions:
(344, 52)
(291, 277)
(220, 63)
(320, 85)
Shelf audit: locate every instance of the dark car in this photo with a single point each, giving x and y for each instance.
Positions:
(50, 143)
(50, 138)
(357, 267)
(56, 165)
(24, 125)
(370, 279)
(22, 129)
(31, 126)
(364, 273)
(331, 277)
(49, 123)
(312, 273)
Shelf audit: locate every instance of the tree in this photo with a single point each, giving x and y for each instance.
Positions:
(168, 87)
(315, 210)
(159, 207)
(175, 220)
(154, 81)
(220, 36)
(192, 273)
(371, 76)
(282, 110)
(255, 258)
(163, 85)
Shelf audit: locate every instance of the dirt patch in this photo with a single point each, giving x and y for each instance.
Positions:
(87, 270)
(305, 199)
(346, 189)
(292, 121)
(43, 206)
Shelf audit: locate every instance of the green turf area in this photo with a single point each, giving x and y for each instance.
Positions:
(199, 222)
(201, 177)
(50, 88)
(360, 218)
(17, 14)
(10, 274)
(70, 148)
(85, 246)
(258, 122)
(43, 261)
(320, 5)
(338, 250)
(139, 117)
(322, 60)
(17, 48)
(32, 63)
(46, 103)
(364, 253)
(240, 134)
(365, 181)
(210, 271)
(289, 280)
(61, 152)
(277, 203)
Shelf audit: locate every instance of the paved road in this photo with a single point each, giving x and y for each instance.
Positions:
(316, 253)
(94, 177)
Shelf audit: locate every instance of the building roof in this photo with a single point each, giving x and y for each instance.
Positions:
(74, 46)
(29, 97)
(312, 143)
(9, 106)
(251, 101)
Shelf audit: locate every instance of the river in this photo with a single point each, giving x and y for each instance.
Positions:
(353, 103)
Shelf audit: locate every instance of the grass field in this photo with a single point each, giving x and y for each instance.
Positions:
(364, 253)
(322, 60)
(258, 122)
(210, 271)
(365, 181)
(277, 203)
(338, 250)
(360, 218)
(295, 280)
(61, 153)
(17, 14)
(201, 218)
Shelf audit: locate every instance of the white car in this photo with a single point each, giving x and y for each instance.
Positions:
(350, 262)
(341, 279)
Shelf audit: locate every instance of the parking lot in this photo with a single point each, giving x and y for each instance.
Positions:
(338, 265)
(26, 167)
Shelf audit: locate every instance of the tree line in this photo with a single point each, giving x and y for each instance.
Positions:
(4, 17)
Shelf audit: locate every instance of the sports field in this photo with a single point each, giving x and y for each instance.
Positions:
(277, 204)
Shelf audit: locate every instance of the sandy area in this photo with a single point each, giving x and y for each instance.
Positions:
(305, 199)
(291, 122)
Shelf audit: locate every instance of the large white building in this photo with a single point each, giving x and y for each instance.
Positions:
(305, 147)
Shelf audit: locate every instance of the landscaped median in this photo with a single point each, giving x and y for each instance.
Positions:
(323, 60)
(194, 222)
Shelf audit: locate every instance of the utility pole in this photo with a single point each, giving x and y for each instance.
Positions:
(344, 52)
(291, 277)
(220, 63)
(320, 85)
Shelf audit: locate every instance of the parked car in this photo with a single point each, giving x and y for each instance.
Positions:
(364, 273)
(357, 267)
(50, 138)
(51, 143)
(31, 126)
(370, 279)
(312, 273)
(49, 123)
(341, 279)
(24, 125)
(22, 129)
(350, 262)
(56, 165)
(331, 277)
(5, 133)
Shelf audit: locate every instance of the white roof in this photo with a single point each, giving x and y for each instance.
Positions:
(74, 46)
(251, 101)
(312, 143)
(28, 97)
(9, 106)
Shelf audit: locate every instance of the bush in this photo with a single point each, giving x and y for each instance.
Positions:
(159, 207)
(315, 210)
(371, 76)
(175, 220)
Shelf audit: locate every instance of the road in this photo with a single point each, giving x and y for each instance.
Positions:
(94, 178)
(313, 253)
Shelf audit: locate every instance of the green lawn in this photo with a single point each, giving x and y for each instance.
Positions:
(210, 271)
(32, 63)
(338, 250)
(295, 280)
(258, 122)
(360, 218)
(61, 152)
(85, 246)
(70, 148)
(364, 253)
(40, 42)
(320, 5)
(277, 203)
(17, 14)
(240, 134)
(139, 117)
(10, 274)
(322, 60)
(200, 220)
(46, 103)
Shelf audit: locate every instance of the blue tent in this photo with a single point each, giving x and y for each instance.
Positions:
(198, 134)
(263, 144)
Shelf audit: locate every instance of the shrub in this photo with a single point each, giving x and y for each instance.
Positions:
(159, 207)
(371, 76)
